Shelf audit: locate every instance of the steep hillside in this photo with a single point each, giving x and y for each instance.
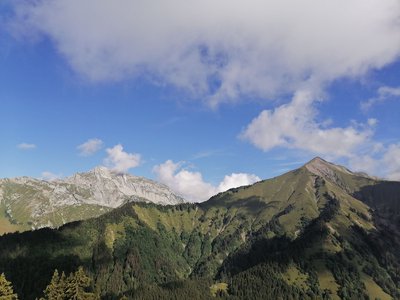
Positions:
(28, 203)
(318, 232)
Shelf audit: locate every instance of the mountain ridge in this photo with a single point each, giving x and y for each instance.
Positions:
(319, 166)
(300, 235)
(30, 203)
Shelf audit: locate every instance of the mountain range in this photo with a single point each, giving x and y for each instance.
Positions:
(317, 232)
(28, 203)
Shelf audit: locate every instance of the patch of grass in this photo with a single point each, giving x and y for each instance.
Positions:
(6, 226)
(374, 291)
(326, 279)
(219, 288)
(294, 276)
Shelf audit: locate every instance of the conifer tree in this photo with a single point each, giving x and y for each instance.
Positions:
(73, 287)
(55, 289)
(6, 289)
(77, 286)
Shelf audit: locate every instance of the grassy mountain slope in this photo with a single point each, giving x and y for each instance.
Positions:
(317, 232)
(26, 207)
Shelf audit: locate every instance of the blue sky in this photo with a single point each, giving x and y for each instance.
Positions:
(200, 101)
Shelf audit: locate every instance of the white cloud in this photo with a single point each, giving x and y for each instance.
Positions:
(120, 161)
(90, 147)
(49, 176)
(222, 50)
(188, 184)
(26, 146)
(391, 160)
(258, 47)
(294, 125)
(235, 180)
(384, 93)
(384, 162)
(192, 186)
(365, 163)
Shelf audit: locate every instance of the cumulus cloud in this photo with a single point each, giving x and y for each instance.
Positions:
(384, 93)
(218, 49)
(223, 50)
(384, 163)
(26, 146)
(120, 161)
(391, 160)
(188, 184)
(236, 180)
(294, 125)
(192, 186)
(90, 147)
(365, 163)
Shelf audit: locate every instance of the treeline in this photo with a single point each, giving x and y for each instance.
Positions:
(265, 281)
(142, 262)
(76, 285)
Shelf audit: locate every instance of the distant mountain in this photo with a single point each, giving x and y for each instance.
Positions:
(29, 203)
(318, 232)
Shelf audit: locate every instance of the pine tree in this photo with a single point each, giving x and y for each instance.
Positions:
(77, 286)
(56, 287)
(6, 289)
(73, 287)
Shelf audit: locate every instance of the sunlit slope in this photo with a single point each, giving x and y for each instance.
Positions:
(28, 203)
(308, 233)
(28, 206)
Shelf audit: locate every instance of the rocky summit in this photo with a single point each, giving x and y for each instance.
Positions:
(29, 203)
(318, 232)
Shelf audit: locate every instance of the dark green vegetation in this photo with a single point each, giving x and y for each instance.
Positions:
(75, 286)
(319, 232)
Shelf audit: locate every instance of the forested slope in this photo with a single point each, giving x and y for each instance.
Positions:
(317, 232)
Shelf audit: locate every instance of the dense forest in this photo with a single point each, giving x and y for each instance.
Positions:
(313, 239)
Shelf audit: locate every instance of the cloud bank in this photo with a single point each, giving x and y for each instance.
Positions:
(218, 50)
(192, 186)
(227, 50)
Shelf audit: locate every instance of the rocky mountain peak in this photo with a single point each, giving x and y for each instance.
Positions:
(327, 170)
(323, 168)
(317, 159)
(317, 164)
(100, 170)
(112, 189)
(34, 203)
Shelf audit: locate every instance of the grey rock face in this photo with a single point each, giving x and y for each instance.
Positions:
(29, 203)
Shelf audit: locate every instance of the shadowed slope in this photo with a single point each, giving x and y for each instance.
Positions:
(308, 233)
